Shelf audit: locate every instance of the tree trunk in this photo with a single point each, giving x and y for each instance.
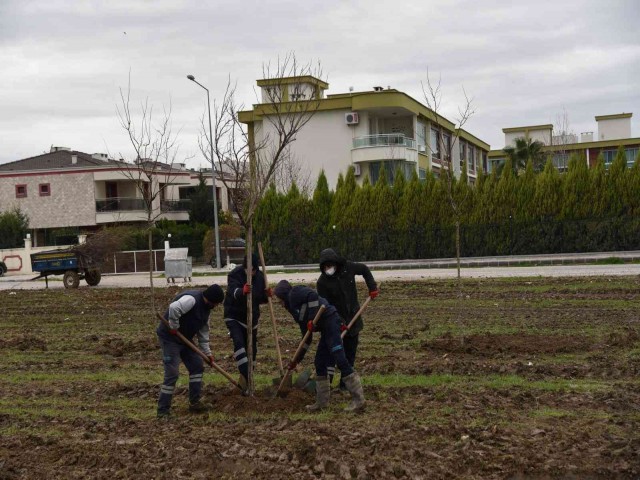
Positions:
(458, 249)
(150, 245)
(248, 251)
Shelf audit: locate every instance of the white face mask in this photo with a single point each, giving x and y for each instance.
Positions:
(330, 271)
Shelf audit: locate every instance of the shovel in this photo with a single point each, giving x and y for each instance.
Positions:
(300, 347)
(206, 359)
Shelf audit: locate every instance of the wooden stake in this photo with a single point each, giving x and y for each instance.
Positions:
(273, 315)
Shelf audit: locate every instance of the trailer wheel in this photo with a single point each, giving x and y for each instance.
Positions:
(92, 277)
(71, 279)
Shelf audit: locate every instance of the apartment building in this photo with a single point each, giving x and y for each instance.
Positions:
(612, 131)
(66, 189)
(369, 130)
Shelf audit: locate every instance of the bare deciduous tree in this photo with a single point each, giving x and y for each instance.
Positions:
(447, 138)
(247, 160)
(152, 170)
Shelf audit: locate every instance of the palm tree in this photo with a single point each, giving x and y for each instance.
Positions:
(524, 150)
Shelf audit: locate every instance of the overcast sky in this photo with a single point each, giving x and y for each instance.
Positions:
(63, 62)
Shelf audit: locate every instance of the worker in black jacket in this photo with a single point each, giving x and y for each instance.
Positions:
(303, 304)
(235, 311)
(337, 283)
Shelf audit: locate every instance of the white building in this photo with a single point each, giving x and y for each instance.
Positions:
(381, 127)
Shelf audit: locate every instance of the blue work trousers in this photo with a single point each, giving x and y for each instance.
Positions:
(173, 350)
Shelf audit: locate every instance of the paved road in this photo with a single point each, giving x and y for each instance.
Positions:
(22, 282)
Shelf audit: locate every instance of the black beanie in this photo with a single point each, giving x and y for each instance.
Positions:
(255, 262)
(282, 289)
(214, 294)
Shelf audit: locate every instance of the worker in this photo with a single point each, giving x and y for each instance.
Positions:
(303, 304)
(188, 314)
(337, 283)
(235, 312)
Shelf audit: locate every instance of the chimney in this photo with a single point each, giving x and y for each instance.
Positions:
(378, 89)
(101, 156)
(74, 159)
(586, 137)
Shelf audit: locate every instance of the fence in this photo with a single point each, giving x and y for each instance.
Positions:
(133, 261)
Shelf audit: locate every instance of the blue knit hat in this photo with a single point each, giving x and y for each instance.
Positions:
(282, 289)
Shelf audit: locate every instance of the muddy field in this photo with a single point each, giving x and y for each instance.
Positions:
(518, 378)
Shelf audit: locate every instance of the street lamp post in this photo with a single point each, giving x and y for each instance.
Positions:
(213, 177)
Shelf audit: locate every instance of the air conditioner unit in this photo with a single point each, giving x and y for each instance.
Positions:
(356, 169)
(351, 118)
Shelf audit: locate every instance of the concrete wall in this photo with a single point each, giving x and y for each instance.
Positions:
(543, 136)
(613, 129)
(18, 260)
(70, 203)
(324, 143)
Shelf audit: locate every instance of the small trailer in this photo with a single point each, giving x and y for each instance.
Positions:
(72, 265)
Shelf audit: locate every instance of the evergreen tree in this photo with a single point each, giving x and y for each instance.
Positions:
(576, 189)
(14, 225)
(633, 188)
(525, 194)
(201, 211)
(504, 198)
(599, 195)
(617, 183)
(322, 198)
(548, 193)
(344, 196)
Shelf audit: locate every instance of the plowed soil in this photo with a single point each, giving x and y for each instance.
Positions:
(519, 378)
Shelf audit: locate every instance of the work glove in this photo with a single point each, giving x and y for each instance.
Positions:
(310, 326)
(210, 360)
(374, 293)
(173, 331)
(246, 289)
(292, 365)
(269, 292)
(343, 327)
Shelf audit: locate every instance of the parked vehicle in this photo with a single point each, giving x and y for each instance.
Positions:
(72, 265)
(231, 251)
(3, 268)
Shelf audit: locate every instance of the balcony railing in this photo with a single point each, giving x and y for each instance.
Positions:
(176, 205)
(119, 204)
(384, 140)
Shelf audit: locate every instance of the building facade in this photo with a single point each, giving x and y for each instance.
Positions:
(66, 189)
(613, 131)
(382, 128)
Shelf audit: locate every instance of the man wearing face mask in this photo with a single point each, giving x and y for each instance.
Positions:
(337, 283)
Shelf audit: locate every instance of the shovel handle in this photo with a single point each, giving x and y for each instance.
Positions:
(192, 346)
(356, 316)
(301, 346)
(273, 315)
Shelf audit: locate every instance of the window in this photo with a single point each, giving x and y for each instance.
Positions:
(435, 145)
(21, 191)
(44, 189)
(561, 161)
(421, 137)
(463, 153)
(472, 158)
(422, 174)
(609, 156)
(447, 145)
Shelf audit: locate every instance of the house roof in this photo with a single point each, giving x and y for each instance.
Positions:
(57, 160)
(62, 160)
